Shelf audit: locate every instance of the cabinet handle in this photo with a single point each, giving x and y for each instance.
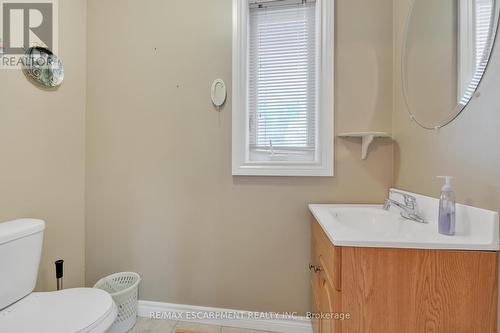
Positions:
(314, 268)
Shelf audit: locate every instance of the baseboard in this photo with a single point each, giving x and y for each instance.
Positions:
(286, 323)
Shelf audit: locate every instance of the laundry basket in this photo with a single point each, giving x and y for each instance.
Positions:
(123, 287)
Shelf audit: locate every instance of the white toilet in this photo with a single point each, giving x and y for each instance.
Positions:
(78, 310)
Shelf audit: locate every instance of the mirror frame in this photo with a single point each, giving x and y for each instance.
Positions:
(473, 86)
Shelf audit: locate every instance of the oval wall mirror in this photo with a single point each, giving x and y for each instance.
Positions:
(446, 50)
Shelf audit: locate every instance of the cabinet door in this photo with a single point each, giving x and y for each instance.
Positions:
(329, 256)
(407, 290)
(330, 304)
(325, 281)
(316, 302)
(326, 308)
(315, 286)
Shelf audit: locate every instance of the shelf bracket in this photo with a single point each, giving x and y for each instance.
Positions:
(366, 141)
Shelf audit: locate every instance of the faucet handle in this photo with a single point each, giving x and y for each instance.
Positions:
(410, 200)
(409, 208)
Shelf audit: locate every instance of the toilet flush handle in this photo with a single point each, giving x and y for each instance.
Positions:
(59, 273)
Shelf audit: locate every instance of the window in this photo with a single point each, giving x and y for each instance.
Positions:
(476, 25)
(283, 88)
(483, 13)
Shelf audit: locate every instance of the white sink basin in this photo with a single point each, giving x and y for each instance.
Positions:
(371, 226)
(371, 221)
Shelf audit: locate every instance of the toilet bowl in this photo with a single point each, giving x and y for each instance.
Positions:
(77, 310)
(82, 310)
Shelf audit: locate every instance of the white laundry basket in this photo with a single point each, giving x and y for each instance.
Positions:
(123, 287)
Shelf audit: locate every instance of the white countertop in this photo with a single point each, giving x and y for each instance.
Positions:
(371, 226)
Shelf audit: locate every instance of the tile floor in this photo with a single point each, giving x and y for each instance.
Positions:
(145, 325)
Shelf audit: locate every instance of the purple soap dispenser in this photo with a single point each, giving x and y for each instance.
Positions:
(446, 220)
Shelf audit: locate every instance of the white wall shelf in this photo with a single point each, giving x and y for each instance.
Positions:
(366, 139)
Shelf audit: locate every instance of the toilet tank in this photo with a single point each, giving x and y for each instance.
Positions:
(20, 250)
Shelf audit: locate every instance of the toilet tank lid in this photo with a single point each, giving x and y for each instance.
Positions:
(19, 228)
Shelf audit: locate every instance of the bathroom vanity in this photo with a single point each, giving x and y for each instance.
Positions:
(374, 271)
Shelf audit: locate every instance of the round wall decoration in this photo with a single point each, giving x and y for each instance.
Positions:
(43, 67)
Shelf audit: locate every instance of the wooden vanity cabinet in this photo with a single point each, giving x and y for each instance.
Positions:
(382, 290)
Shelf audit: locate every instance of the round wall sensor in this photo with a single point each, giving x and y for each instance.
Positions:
(219, 93)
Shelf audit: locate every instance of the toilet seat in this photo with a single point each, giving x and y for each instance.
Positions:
(78, 310)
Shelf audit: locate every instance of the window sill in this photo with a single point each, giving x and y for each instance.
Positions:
(283, 171)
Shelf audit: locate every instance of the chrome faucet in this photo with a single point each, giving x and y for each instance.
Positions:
(409, 209)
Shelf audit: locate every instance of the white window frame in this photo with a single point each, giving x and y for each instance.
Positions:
(324, 164)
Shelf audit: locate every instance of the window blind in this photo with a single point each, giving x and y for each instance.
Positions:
(482, 30)
(282, 83)
(483, 20)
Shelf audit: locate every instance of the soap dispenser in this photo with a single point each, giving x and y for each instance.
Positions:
(446, 220)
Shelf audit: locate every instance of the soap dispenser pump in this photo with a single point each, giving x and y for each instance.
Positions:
(446, 220)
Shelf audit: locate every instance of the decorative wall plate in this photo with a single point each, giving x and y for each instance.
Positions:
(43, 67)
(219, 93)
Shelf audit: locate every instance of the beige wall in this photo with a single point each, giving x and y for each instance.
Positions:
(431, 60)
(160, 196)
(42, 147)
